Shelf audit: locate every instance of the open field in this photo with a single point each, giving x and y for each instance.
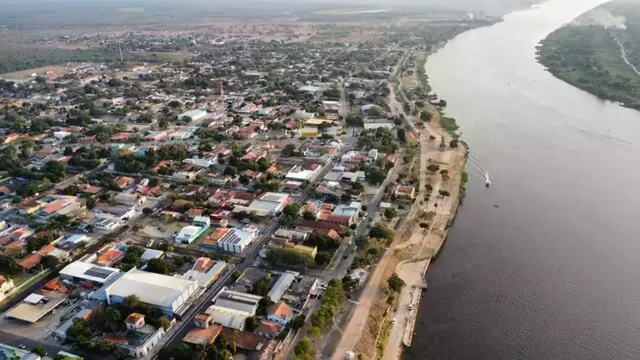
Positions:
(26, 74)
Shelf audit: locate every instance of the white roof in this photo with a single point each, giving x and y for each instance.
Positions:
(87, 271)
(151, 288)
(227, 318)
(239, 236)
(149, 254)
(33, 298)
(282, 285)
(193, 113)
(189, 231)
(237, 301)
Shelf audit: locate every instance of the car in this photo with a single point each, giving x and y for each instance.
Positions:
(22, 346)
(410, 306)
(394, 321)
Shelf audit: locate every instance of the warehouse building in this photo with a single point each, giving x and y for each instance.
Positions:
(231, 308)
(236, 240)
(172, 295)
(87, 273)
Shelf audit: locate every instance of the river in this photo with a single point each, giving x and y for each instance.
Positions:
(545, 264)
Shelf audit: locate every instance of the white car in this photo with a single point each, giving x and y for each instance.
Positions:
(394, 321)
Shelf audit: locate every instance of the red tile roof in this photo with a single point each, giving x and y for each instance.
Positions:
(30, 261)
(280, 310)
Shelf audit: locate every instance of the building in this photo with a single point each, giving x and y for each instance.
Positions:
(269, 329)
(6, 286)
(204, 333)
(309, 132)
(205, 271)
(237, 239)
(86, 273)
(195, 115)
(231, 308)
(405, 193)
(140, 337)
(269, 204)
(282, 285)
(61, 332)
(299, 173)
(172, 295)
(110, 257)
(35, 306)
(189, 233)
(73, 241)
(280, 313)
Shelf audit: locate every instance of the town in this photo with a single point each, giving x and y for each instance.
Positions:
(237, 202)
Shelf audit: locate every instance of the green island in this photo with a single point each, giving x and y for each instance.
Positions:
(599, 52)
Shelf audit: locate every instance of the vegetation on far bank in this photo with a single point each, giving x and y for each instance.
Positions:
(589, 57)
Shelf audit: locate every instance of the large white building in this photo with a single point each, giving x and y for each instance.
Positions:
(170, 294)
(195, 115)
(237, 239)
(232, 308)
(84, 272)
(269, 204)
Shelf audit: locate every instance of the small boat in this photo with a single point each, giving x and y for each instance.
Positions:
(487, 181)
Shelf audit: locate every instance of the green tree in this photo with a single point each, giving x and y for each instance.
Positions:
(147, 211)
(375, 175)
(395, 283)
(39, 350)
(160, 266)
(49, 262)
(390, 212)
(308, 215)
(433, 168)
(402, 135)
(381, 232)
(297, 322)
(250, 324)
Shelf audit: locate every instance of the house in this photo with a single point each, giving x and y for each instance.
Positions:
(140, 337)
(129, 199)
(405, 193)
(269, 329)
(6, 285)
(204, 333)
(30, 262)
(205, 271)
(280, 313)
(269, 204)
(124, 181)
(110, 257)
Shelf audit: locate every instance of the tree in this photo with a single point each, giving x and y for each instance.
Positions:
(68, 151)
(453, 143)
(395, 283)
(286, 221)
(262, 286)
(375, 175)
(390, 212)
(304, 347)
(362, 241)
(444, 193)
(292, 210)
(297, 322)
(381, 232)
(165, 322)
(433, 167)
(39, 350)
(160, 266)
(147, 211)
(236, 274)
(308, 215)
(425, 116)
(322, 258)
(49, 262)
(250, 324)
(402, 135)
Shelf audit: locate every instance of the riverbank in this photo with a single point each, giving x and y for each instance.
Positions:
(371, 331)
(601, 60)
(444, 164)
